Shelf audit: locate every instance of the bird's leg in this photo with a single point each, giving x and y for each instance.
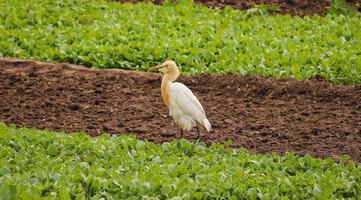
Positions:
(181, 133)
(198, 132)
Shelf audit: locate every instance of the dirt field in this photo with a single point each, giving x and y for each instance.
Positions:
(293, 7)
(261, 114)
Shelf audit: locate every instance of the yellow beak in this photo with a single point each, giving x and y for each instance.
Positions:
(155, 68)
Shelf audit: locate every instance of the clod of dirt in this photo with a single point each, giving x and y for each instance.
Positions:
(261, 114)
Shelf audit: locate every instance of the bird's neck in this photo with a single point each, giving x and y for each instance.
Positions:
(166, 81)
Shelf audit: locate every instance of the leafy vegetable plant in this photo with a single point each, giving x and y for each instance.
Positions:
(135, 36)
(37, 164)
(340, 7)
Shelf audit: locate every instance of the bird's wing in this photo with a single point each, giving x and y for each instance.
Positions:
(185, 100)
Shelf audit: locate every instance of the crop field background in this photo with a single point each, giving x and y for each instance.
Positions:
(44, 164)
(80, 118)
(200, 39)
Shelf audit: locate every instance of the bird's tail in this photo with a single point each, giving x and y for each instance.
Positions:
(207, 125)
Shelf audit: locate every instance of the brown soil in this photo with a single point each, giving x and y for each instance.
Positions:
(355, 3)
(293, 7)
(261, 114)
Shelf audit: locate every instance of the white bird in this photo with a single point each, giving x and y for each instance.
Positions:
(183, 106)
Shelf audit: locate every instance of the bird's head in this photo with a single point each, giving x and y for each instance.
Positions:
(168, 67)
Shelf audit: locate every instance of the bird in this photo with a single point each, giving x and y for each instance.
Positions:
(184, 107)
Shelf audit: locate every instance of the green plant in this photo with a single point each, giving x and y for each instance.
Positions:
(263, 9)
(103, 34)
(341, 7)
(38, 164)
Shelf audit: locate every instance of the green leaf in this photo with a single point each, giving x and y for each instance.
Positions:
(52, 150)
(64, 193)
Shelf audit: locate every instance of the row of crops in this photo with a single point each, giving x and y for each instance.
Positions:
(36, 164)
(107, 34)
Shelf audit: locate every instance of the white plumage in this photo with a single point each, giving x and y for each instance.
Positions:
(183, 106)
